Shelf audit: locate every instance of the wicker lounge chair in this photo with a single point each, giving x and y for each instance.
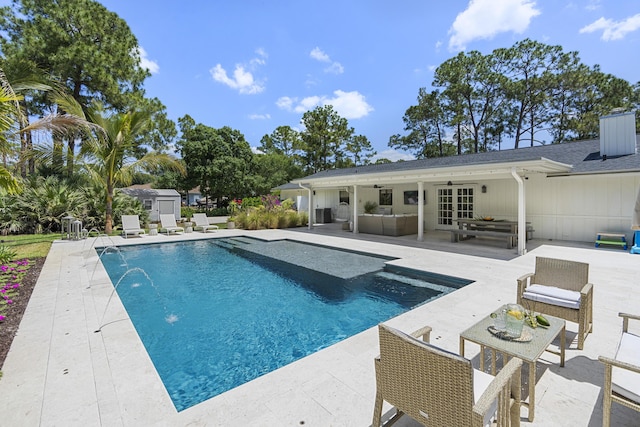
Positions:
(202, 223)
(168, 224)
(560, 288)
(622, 373)
(131, 225)
(438, 388)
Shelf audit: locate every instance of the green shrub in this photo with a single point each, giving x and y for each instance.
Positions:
(251, 202)
(187, 212)
(7, 254)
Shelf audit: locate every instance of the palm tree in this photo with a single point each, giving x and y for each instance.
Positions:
(108, 152)
(9, 118)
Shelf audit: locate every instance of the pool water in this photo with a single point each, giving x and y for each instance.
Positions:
(216, 314)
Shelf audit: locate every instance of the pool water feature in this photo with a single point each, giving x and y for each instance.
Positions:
(242, 307)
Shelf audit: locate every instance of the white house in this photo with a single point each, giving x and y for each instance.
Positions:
(566, 191)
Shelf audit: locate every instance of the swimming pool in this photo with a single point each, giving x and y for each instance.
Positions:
(218, 313)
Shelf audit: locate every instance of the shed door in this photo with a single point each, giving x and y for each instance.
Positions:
(166, 207)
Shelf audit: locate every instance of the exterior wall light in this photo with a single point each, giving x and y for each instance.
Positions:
(484, 188)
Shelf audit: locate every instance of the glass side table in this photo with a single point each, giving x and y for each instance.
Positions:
(529, 351)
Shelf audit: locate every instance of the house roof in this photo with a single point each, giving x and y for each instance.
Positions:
(580, 157)
(150, 192)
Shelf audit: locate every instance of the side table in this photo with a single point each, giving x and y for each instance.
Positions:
(529, 352)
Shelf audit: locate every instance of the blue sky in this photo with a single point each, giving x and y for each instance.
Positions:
(256, 65)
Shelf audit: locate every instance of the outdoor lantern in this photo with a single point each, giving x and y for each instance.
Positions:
(484, 188)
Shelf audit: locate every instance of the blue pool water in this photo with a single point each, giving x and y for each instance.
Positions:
(215, 314)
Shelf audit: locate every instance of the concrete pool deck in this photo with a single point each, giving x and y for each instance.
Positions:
(59, 371)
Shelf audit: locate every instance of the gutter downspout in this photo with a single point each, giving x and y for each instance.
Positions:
(310, 207)
(420, 211)
(522, 222)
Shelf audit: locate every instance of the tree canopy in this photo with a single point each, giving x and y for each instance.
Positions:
(530, 92)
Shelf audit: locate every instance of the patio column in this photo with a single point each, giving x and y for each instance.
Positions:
(420, 211)
(355, 209)
(522, 220)
(311, 211)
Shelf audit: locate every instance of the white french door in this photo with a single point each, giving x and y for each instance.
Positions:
(454, 203)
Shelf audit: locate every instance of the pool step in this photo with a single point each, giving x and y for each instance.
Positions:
(242, 240)
(413, 282)
(234, 243)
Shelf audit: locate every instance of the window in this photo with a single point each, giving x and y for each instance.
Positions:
(386, 197)
(148, 204)
(344, 196)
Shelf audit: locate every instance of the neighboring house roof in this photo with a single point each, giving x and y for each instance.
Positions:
(288, 186)
(150, 192)
(567, 158)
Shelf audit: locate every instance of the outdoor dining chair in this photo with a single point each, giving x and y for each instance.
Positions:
(439, 388)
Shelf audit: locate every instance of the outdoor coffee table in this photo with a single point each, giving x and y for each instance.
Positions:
(529, 351)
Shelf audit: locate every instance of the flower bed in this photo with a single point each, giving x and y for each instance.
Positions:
(17, 280)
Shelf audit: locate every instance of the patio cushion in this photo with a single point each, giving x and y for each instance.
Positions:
(623, 382)
(553, 295)
(482, 380)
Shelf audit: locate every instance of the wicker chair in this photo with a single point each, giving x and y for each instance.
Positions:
(438, 388)
(560, 288)
(622, 373)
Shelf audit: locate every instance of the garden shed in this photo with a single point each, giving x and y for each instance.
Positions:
(156, 201)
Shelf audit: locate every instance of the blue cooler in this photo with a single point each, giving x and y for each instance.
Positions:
(635, 249)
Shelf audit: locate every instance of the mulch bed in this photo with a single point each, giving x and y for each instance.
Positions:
(9, 327)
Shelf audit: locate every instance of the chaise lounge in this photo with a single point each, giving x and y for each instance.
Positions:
(202, 223)
(169, 225)
(131, 225)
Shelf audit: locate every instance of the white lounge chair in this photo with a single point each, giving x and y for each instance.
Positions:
(202, 223)
(131, 225)
(168, 224)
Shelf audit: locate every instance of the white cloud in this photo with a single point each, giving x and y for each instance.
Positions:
(147, 63)
(393, 155)
(242, 79)
(260, 116)
(285, 103)
(484, 19)
(261, 59)
(349, 105)
(334, 67)
(319, 55)
(613, 30)
(593, 5)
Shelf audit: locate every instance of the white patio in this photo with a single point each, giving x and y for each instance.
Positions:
(59, 371)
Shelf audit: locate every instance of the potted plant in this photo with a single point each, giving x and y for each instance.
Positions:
(231, 223)
(370, 207)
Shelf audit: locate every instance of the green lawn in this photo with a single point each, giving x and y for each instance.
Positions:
(29, 245)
